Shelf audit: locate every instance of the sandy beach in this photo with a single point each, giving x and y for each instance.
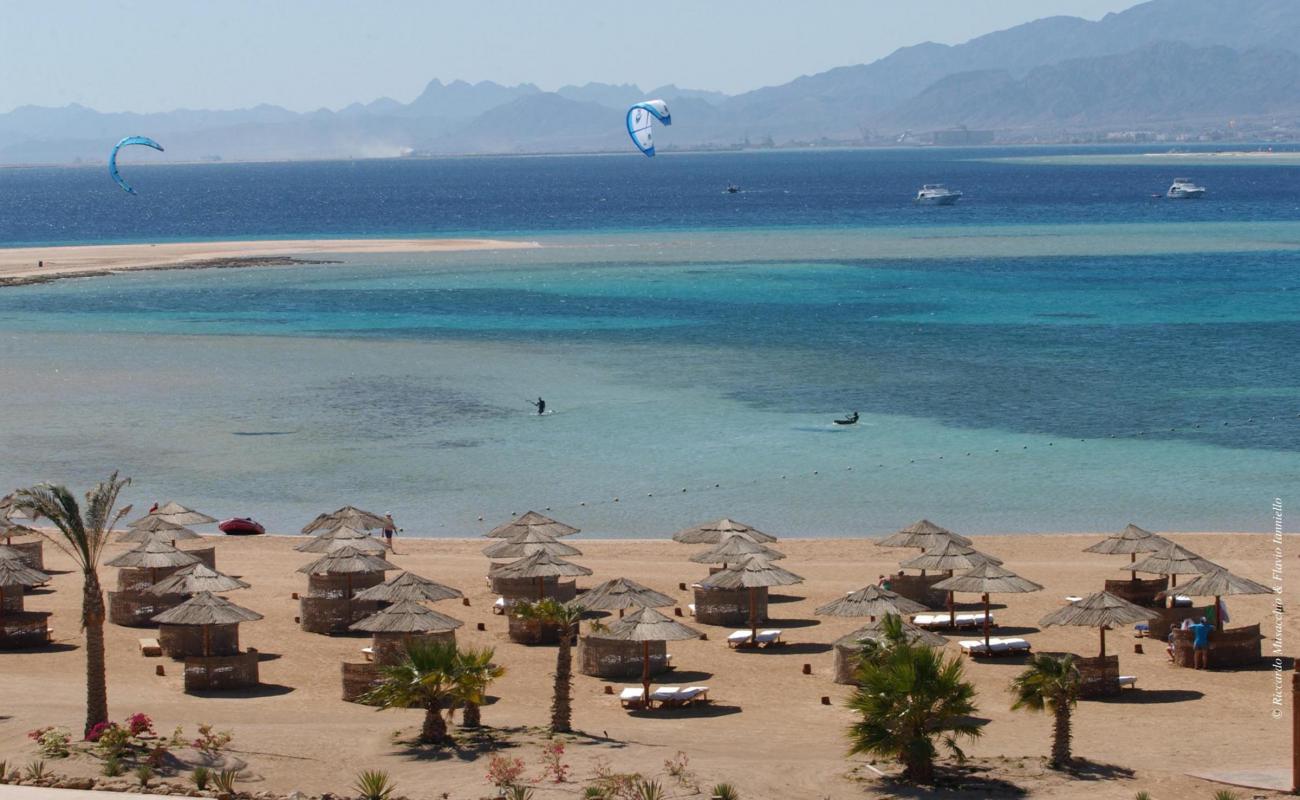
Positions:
(767, 731)
(39, 264)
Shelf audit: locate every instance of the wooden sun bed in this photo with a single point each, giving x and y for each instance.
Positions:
(766, 638)
(664, 696)
(149, 648)
(969, 620)
(996, 647)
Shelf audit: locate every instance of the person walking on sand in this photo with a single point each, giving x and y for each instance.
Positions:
(541, 405)
(390, 530)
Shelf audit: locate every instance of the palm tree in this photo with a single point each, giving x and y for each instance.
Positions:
(1050, 682)
(82, 536)
(475, 671)
(566, 617)
(908, 696)
(426, 678)
(892, 637)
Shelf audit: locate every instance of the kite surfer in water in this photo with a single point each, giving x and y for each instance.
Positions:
(851, 419)
(541, 405)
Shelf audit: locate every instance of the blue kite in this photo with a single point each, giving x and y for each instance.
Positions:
(640, 117)
(112, 158)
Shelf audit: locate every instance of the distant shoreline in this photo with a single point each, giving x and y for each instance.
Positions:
(23, 266)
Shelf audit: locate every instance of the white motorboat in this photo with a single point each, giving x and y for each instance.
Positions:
(936, 194)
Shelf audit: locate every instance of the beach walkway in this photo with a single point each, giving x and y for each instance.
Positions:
(40, 793)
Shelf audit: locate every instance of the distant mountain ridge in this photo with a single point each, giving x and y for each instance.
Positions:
(1167, 63)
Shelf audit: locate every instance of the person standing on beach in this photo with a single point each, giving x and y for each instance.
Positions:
(541, 406)
(1200, 644)
(390, 530)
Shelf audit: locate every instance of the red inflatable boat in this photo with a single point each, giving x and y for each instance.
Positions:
(240, 526)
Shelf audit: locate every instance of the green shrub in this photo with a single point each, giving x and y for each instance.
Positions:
(200, 777)
(36, 770)
(373, 784)
(1142, 795)
(725, 791)
(143, 774)
(1224, 794)
(225, 780)
(112, 767)
(519, 793)
(649, 790)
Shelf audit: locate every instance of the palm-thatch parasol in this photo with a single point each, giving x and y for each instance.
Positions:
(408, 586)
(875, 631)
(531, 521)
(11, 554)
(715, 532)
(195, 579)
(645, 625)
(9, 529)
(984, 580)
(753, 573)
(157, 528)
(153, 556)
(406, 616)
(174, 513)
(1131, 540)
(527, 543)
(870, 601)
(621, 594)
(541, 565)
(1100, 610)
(347, 516)
(736, 548)
(13, 572)
(923, 534)
(1218, 583)
(325, 539)
(367, 545)
(346, 560)
(949, 556)
(206, 609)
(1173, 560)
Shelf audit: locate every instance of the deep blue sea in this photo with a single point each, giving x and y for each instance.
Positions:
(1061, 350)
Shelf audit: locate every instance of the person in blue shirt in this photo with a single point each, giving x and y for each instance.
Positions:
(1201, 644)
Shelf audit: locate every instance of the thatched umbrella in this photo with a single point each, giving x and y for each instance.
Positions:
(923, 534)
(870, 601)
(347, 561)
(646, 625)
(621, 594)
(715, 532)
(367, 545)
(540, 565)
(534, 522)
(347, 516)
(324, 540)
(1174, 560)
(949, 556)
(1100, 610)
(406, 616)
(527, 543)
(206, 609)
(408, 586)
(9, 529)
(736, 548)
(988, 579)
(1218, 583)
(14, 572)
(875, 631)
(11, 554)
(1131, 540)
(195, 579)
(153, 556)
(753, 573)
(174, 513)
(159, 529)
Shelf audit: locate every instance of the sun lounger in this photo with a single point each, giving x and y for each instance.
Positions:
(690, 607)
(368, 652)
(691, 695)
(631, 696)
(1072, 598)
(1182, 601)
(766, 638)
(1142, 629)
(499, 607)
(963, 620)
(996, 647)
(664, 694)
(150, 648)
(1130, 681)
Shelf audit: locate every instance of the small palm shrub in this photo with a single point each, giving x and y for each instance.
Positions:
(373, 784)
(143, 774)
(725, 791)
(225, 780)
(36, 770)
(200, 777)
(112, 767)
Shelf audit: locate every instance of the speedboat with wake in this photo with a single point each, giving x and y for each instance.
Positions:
(936, 194)
(1184, 189)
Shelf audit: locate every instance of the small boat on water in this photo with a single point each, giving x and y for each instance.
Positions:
(1184, 189)
(936, 194)
(732, 188)
(240, 526)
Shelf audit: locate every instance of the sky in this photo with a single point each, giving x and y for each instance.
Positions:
(126, 55)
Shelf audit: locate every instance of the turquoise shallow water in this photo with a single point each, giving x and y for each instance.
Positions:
(1011, 377)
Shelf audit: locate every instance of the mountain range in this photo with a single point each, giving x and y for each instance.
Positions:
(1172, 66)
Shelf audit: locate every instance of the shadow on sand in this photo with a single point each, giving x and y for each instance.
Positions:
(261, 690)
(1152, 696)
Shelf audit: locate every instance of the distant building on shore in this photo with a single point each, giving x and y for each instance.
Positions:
(961, 137)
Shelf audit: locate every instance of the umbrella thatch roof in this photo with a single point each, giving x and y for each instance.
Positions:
(870, 601)
(408, 586)
(752, 573)
(1173, 559)
(1130, 540)
(923, 533)
(1220, 583)
(531, 521)
(346, 560)
(988, 578)
(157, 528)
(9, 528)
(715, 532)
(949, 556)
(527, 543)
(736, 548)
(205, 608)
(322, 541)
(369, 545)
(347, 516)
(647, 625)
(621, 593)
(876, 632)
(196, 578)
(174, 513)
(10, 553)
(1099, 610)
(16, 573)
(406, 616)
(153, 555)
(538, 565)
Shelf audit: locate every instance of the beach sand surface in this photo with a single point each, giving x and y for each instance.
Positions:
(767, 732)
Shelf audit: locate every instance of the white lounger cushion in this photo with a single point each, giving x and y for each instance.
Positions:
(631, 693)
(738, 636)
(1128, 680)
(690, 693)
(769, 635)
(665, 693)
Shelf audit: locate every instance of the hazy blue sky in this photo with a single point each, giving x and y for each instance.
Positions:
(117, 55)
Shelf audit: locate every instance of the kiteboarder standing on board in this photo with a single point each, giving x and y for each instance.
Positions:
(541, 405)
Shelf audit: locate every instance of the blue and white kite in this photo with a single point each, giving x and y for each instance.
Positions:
(112, 159)
(639, 119)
